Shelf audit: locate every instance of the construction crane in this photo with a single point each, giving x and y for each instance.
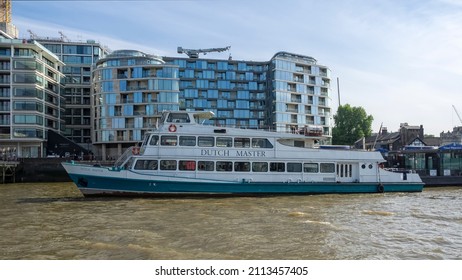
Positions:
(195, 53)
(5, 11)
(460, 119)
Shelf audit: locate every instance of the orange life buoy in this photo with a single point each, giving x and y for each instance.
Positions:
(172, 128)
(136, 150)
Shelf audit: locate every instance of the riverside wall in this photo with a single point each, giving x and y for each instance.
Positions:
(32, 170)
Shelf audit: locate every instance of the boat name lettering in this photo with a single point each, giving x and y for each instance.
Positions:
(221, 153)
(225, 153)
(250, 153)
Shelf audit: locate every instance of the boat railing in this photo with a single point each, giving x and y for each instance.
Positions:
(400, 170)
(133, 150)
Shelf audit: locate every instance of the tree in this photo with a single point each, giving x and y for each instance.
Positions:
(351, 124)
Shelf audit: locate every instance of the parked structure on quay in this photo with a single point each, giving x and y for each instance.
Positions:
(438, 160)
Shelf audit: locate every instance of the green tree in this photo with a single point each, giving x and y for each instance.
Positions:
(351, 124)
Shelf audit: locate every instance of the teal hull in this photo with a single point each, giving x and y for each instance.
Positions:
(107, 186)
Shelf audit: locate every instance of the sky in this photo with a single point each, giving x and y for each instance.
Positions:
(400, 60)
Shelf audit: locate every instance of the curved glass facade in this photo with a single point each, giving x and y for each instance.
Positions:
(300, 93)
(130, 90)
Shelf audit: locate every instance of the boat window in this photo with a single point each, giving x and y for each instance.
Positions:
(178, 118)
(168, 165)
(188, 165)
(259, 167)
(310, 167)
(154, 140)
(187, 140)
(277, 167)
(146, 164)
(145, 141)
(344, 170)
(129, 163)
(327, 168)
(298, 143)
(241, 142)
(224, 166)
(205, 165)
(168, 140)
(203, 141)
(224, 142)
(242, 166)
(261, 143)
(294, 167)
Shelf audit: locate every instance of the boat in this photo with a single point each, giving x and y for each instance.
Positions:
(186, 156)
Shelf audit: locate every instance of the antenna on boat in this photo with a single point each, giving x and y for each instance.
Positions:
(378, 134)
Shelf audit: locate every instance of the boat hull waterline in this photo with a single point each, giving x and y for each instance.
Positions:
(110, 185)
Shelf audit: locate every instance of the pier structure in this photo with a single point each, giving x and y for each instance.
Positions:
(8, 170)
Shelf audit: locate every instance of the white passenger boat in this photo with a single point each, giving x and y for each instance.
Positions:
(183, 156)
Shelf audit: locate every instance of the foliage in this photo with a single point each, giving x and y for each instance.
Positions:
(351, 124)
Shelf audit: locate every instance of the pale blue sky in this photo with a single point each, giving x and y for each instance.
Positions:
(401, 60)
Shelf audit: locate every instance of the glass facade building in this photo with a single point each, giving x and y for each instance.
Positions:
(79, 59)
(31, 87)
(236, 91)
(288, 93)
(300, 94)
(130, 90)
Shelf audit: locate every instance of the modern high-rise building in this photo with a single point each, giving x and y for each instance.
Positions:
(299, 95)
(236, 91)
(288, 93)
(79, 58)
(130, 90)
(31, 87)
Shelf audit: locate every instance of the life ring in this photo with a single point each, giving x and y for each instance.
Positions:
(172, 128)
(380, 188)
(136, 150)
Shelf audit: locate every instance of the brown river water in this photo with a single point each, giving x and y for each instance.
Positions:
(54, 221)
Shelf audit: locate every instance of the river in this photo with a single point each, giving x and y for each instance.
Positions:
(54, 221)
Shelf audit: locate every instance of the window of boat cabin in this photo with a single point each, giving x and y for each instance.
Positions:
(205, 141)
(327, 168)
(294, 167)
(145, 141)
(224, 142)
(310, 167)
(224, 166)
(344, 170)
(168, 165)
(154, 140)
(259, 167)
(298, 143)
(188, 165)
(277, 167)
(241, 142)
(261, 143)
(178, 118)
(142, 164)
(187, 140)
(205, 165)
(168, 140)
(242, 166)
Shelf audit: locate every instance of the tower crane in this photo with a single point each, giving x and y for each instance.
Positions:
(460, 119)
(194, 53)
(5, 11)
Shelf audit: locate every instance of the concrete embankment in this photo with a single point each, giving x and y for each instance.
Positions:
(43, 170)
